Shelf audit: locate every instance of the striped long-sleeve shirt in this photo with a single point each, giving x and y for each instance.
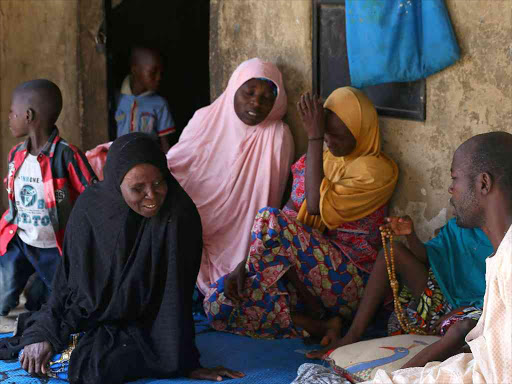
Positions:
(66, 173)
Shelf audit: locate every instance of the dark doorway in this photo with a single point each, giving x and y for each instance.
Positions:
(179, 29)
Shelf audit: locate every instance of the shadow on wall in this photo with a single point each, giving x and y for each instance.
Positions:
(179, 29)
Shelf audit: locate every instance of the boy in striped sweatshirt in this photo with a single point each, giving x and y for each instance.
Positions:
(45, 176)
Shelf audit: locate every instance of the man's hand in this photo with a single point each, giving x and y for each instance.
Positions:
(398, 226)
(35, 357)
(214, 374)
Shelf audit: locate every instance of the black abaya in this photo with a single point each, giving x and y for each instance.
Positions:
(125, 280)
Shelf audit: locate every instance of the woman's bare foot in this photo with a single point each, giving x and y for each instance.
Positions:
(333, 330)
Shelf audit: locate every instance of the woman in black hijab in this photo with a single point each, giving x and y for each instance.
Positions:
(131, 255)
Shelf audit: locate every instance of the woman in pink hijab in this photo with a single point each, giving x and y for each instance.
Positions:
(232, 159)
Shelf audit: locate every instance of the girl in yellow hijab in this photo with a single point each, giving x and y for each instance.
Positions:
(358, 177)
(308, 263)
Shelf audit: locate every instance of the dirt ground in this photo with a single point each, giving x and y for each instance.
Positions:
(8, 323)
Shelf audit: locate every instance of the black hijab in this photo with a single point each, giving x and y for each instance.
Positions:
(125, 280)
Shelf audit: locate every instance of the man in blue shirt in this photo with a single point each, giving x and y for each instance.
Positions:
(442, 288)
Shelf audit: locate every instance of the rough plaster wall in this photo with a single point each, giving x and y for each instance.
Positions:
(274, 30)
(471, 97)
(474, 96)
(38, 40)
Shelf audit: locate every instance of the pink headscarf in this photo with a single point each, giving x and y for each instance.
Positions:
(231, 170)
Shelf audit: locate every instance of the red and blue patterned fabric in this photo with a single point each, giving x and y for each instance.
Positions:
(298, 194)
(334, 266)
(359, 239)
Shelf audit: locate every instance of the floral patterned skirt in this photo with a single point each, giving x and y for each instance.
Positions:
(429, 308)
(280, 242)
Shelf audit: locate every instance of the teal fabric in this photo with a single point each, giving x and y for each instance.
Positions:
(457, 258)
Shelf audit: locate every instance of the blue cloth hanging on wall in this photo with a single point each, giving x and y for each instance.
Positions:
(398, 40)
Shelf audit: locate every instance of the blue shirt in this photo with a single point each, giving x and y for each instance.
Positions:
(457, 258)
(147, 112)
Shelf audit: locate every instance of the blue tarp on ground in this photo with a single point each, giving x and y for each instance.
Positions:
(398, 40)
(263, 361)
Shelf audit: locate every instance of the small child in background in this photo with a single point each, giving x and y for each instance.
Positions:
(45, 177)
(139, 108)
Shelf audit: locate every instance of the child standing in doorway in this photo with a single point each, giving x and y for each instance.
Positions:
(45, 176)
(139, 108)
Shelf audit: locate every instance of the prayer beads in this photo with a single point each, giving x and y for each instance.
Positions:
(390, 266)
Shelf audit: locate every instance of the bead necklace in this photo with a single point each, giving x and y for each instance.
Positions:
(390, 266)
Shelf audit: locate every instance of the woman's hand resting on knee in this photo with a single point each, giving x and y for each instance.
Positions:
(234, 284)
(35, 357)
(215, 374)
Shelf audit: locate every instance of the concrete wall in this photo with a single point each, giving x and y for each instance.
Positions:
(474, 96)
(44, 39)
(471, 97)
(38, 40)
(274, 30)
(55, 39)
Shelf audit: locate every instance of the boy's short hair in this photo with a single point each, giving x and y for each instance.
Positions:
(139, 52)
(44, 96)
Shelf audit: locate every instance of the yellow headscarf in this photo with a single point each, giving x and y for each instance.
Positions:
(356, 185)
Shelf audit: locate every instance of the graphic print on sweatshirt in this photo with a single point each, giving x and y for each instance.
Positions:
(32, 216)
